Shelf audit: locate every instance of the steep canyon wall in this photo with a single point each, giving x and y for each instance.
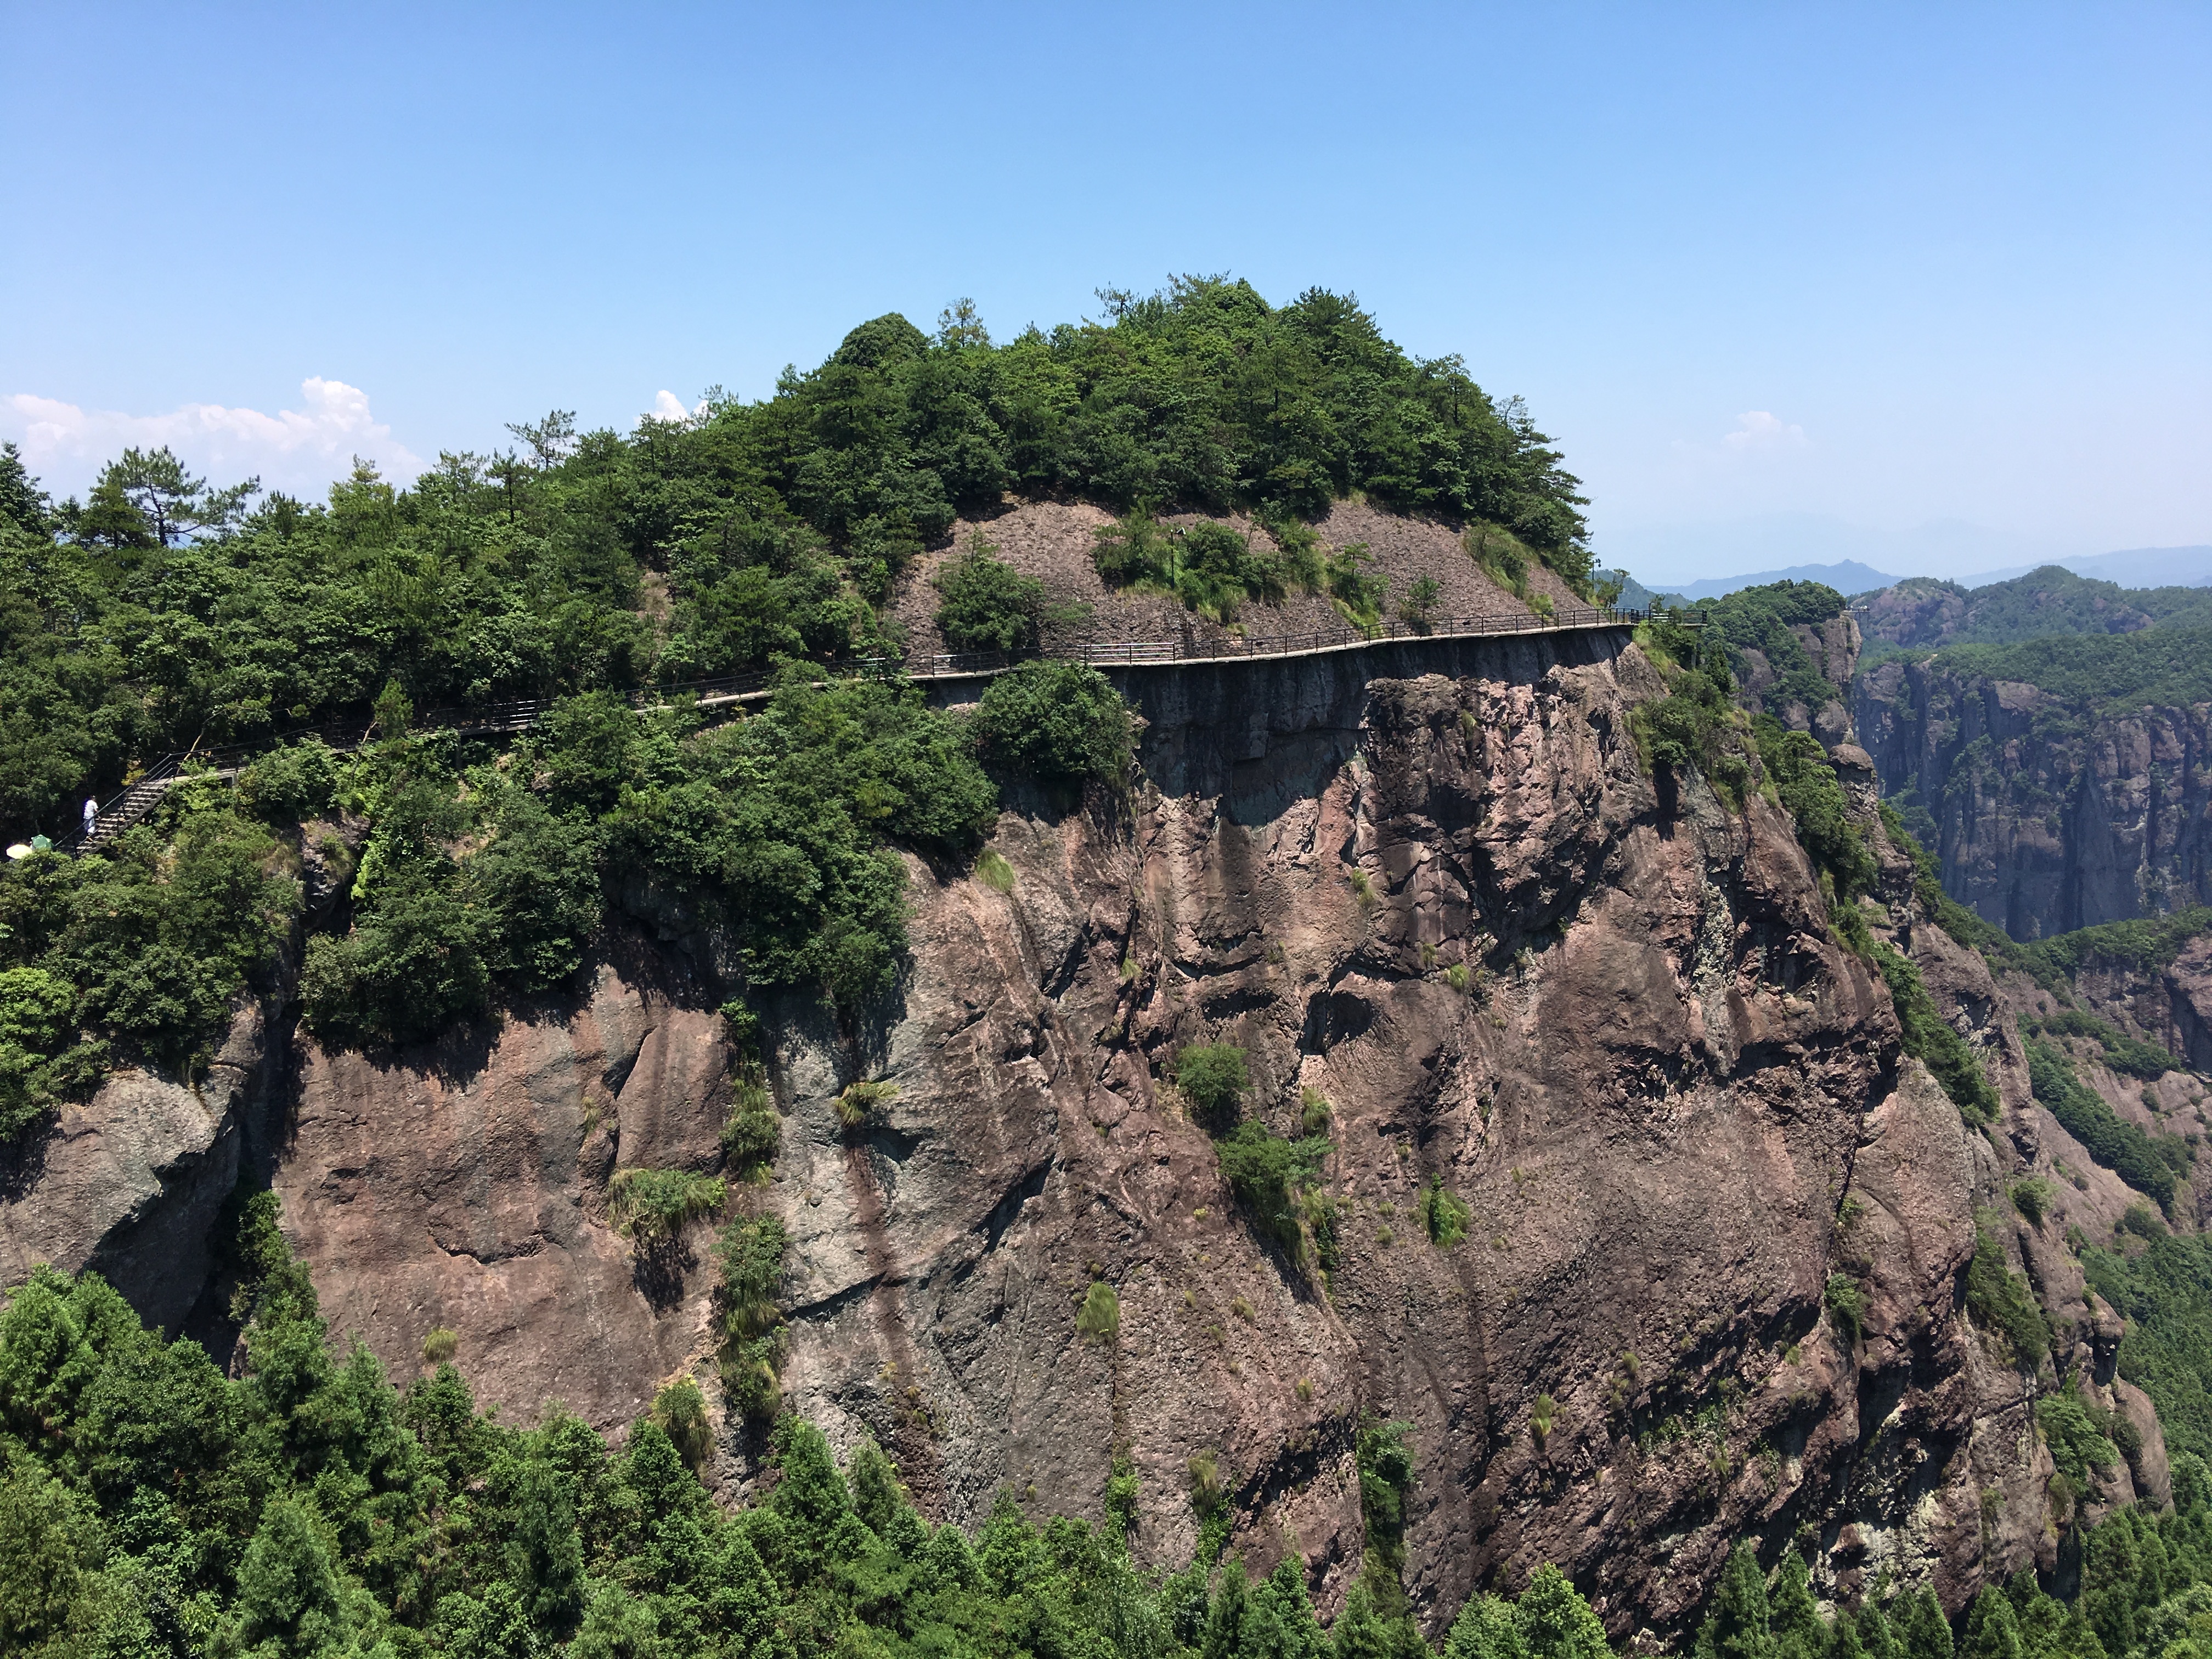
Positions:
(2045, 815)
(1673, 1104)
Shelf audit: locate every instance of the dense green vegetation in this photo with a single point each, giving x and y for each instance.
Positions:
(2144, 943)
(2150, 1166)
(1215, 570)
(1798, 767)
(160, 613)
(1060, 722)
(2163, 1289)
(1695, 724)
(583, 569)
(2000, 1300)
(1923, 610)
(988, 605)
(2129, 1056)
(151, 1505)
(2098, 672)
(1929, 1038)
(1762, 620)
(484, 870)
(136, 955)
(2145, 1588)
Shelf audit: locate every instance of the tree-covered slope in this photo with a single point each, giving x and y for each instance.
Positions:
(1924, 613)
(158, 614)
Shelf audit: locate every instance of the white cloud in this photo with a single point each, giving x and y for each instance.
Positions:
(301, 450)
(667, 406)
(1757, 431)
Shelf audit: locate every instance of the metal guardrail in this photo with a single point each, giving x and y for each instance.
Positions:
(140, 796)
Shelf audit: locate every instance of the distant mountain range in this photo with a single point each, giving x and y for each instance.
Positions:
(1848, 577)
(2132, 567)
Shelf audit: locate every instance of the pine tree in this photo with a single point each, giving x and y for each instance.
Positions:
(739, 1601)
(1289, 1627)
(1555, 1621)
(22, 503)
(1877, 1635)
(878, 1496)
(546, 1555)
(1486, 1629)
(812, 1497)
(1360, 1633)
(1921, 1629)
(1992, 1629)
(1797, 1616)
(1225, 1620)
(288, 1590)
(1739, 1622)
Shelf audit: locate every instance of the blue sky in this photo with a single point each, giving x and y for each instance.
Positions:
(1775, 275)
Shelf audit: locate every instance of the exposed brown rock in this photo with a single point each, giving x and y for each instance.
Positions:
(2049, 816)
(1674, 1103)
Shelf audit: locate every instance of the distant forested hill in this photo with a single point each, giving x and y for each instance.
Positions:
(1922, 613)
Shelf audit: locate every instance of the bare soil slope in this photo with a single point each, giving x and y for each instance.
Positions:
(1053, 541)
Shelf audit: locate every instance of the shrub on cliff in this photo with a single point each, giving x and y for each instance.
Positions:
(1213, 1077)
(2129, 1056)
(1062, 722)
(1267, 1174)
(1929, 1039)
(2118, 1145)
(749, 1256)
(652, 1206)
(987, 605)
(1445, 1215)
(1385, 1463)
(2000, 1300)
(1100, 1316)
(2077, 1444)
(1798, 768)
(1695, 724)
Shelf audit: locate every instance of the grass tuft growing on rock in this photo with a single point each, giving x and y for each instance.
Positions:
(1099, 1319)
(652, 1206)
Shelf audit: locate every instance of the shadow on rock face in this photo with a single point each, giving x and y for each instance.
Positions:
(23, 1160)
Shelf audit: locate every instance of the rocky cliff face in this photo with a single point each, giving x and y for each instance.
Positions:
(1832, 648)
(2045, 816)
(1674, 1105)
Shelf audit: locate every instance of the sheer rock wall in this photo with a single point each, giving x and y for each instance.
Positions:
(2046, 816)
(1674, 1106)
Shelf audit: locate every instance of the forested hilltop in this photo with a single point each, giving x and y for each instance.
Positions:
(157, 614)
(160, 615)
(2043, 738)
(1924, 613)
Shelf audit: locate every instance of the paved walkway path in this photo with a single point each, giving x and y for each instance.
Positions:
(505, 718)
